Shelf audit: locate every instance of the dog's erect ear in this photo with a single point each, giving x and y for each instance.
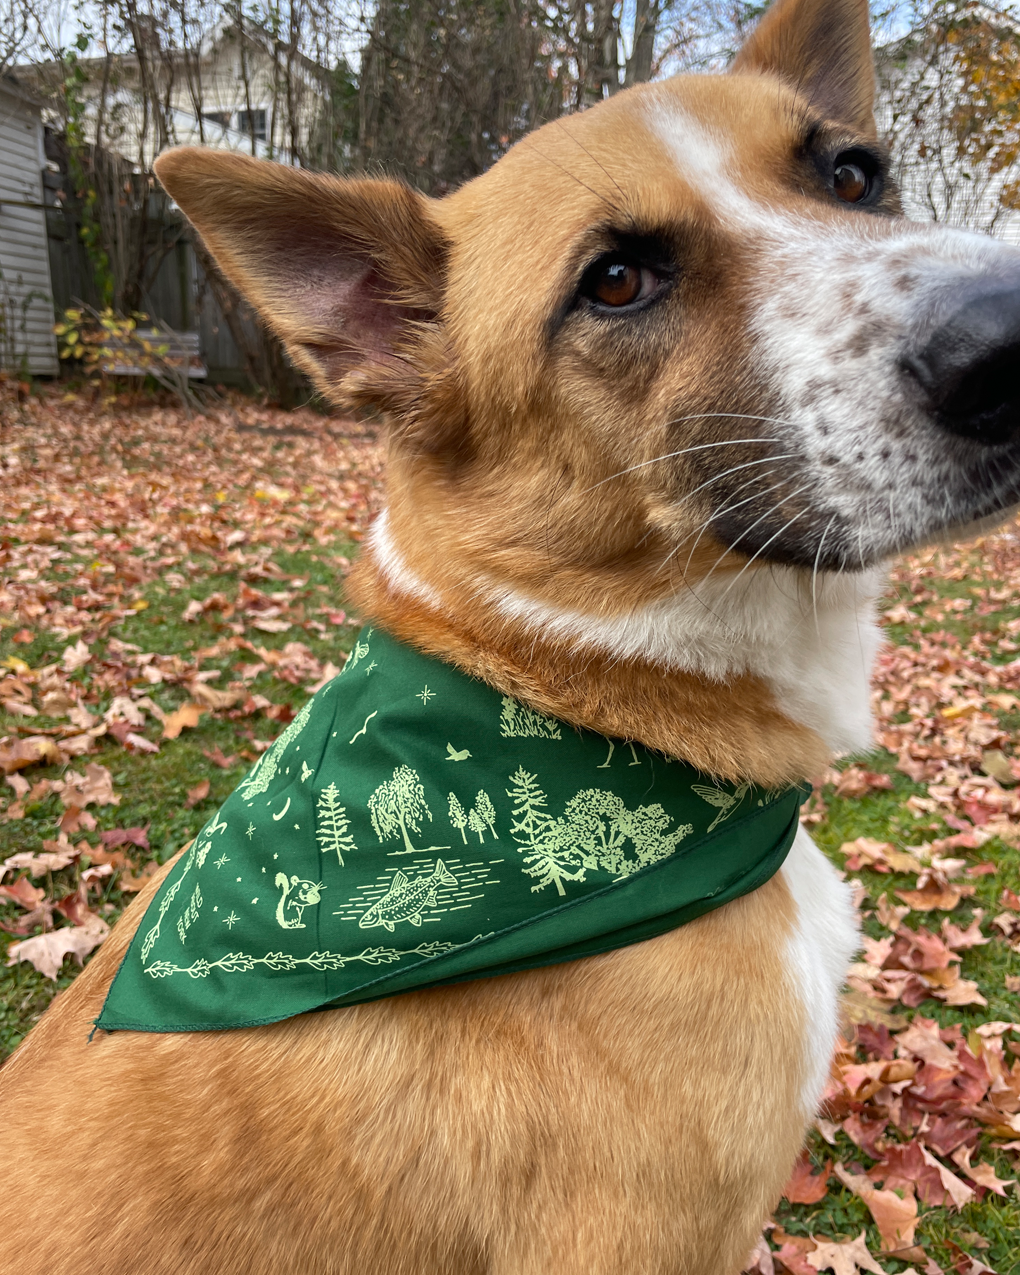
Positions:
(823, 49)
(339, 268)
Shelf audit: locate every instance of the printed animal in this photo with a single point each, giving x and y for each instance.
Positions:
(666, 386)
(297, 895)
(407, 900)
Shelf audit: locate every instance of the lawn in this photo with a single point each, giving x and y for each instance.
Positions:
(171, 589)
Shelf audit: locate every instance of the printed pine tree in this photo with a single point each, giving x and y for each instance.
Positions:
(399, 804)
(333, 823)
(457, 817)
(536, 831)
(476, 823)
(486, 811)
(528, 815)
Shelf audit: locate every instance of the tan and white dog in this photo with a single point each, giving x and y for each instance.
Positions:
(665, 386)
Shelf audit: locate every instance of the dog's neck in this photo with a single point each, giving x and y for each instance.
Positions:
(761, 678)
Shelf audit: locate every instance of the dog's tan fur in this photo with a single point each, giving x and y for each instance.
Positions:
(624, 1115)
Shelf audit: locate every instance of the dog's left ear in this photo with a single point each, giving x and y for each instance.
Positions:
(348, 272)
(823, 49)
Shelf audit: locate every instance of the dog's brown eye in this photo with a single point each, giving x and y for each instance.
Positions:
(616, 283)
(850, 182)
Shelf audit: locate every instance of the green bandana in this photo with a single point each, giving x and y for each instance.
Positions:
(413, 827)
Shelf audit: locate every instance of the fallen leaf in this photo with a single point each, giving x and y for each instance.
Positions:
(957, 1190)
(29, 752)
(187, 716)
(197, 794)
(23, 893)
(934, 892)
(855, 781)
(215, 755)
(843, 1259)
(93, 788)
(981, 1173)
(126, 837)
(37, 864)
(881, 856)
(894, 1215)
(75, 657)
(19, 708)
(47, 951)
(131, 881)
(74, 819)
(805, 1186)
(889, 914)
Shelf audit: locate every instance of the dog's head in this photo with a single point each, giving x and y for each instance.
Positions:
(681, 331)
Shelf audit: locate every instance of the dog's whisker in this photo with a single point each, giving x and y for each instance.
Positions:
(757, 553)
(593, 158)
(733, 543)
(814, 574)
(717, 513)
(567, 173)
(735, 416)
(684, 451)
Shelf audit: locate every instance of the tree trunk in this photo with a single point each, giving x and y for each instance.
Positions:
(646, 21)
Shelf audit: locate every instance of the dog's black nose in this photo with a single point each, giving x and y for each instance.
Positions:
(970, 367)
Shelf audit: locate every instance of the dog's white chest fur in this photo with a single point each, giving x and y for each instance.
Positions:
(822, 945)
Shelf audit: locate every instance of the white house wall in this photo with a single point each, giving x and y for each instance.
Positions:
(25, 291)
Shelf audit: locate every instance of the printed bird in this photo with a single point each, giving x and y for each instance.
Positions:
(454, 755)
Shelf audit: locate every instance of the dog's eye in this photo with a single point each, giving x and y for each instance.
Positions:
(617, 281)
(853, 176)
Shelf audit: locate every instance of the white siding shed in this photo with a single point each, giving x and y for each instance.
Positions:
(26, 303)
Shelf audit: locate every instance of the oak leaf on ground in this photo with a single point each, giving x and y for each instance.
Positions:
(47, 951)
(843, 1259)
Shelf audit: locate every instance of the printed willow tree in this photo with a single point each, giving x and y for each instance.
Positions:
(333, 824)
(399, 804)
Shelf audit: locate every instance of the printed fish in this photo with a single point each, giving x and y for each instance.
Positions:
(407, 900)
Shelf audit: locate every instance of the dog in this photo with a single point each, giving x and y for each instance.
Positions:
(666, 386)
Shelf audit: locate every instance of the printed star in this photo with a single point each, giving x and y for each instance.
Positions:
(238, 878)
(297, 827)
(254, 900)
(221, 861)
(251, 831)
(231, 920)
(425, 695)
(370, 668)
